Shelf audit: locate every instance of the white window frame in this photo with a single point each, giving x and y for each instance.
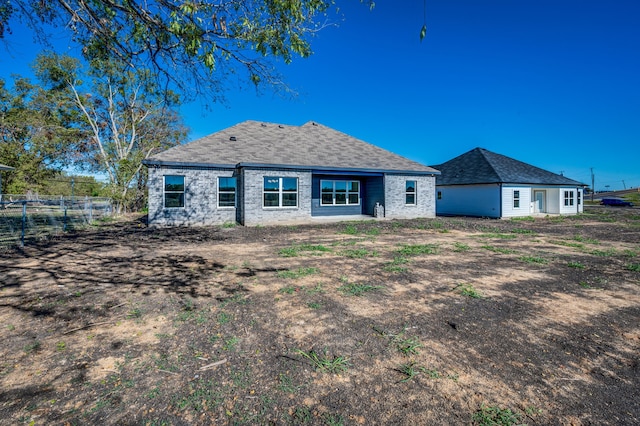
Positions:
(579, 197)
(234, 192)
(333, 192)
(165, 192)
(516, 198)
(568, 198)
(414, 193)
(280, 192)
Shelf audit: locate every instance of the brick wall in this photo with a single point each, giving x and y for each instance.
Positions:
(201, 198)
(395, 200)
(252, 211)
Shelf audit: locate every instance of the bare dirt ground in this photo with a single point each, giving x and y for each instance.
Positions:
(357, 323)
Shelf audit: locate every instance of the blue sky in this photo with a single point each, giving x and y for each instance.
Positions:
(552, 83)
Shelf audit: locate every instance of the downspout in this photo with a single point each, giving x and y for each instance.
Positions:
(500, 188)
(240, 194)
(384, 194)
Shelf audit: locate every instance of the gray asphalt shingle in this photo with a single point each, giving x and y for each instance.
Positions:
(311, 145)
(482, 166)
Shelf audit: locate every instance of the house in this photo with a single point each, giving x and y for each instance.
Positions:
(485, 184)
(263, 173)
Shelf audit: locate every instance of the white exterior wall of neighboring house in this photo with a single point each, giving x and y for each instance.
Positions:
(553, 201)
(468, 200)
(571, 208)
(200, 198)
(395, 197)
(562, 209)
(581, 198)
(509, 208)
(252, 210)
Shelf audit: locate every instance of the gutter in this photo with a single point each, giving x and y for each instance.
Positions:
(336, 169)
(178, 164)
(160, 163)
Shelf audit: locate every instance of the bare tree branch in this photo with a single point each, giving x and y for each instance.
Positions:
(194, 46)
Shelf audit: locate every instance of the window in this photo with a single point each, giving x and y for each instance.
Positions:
(339, 192)
(226, 192)
(516, 199)
(579, 197)
(280, 192)
(568, 198)
(410, 192)
(173, 191)
(439, 195)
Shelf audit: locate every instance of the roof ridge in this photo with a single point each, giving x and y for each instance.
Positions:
(484, 152)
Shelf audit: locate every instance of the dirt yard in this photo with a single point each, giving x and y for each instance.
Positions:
(422, 322)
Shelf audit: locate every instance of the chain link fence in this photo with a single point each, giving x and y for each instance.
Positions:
(25, 218)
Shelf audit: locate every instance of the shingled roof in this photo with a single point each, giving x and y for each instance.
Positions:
(480, 166)
(310, 146)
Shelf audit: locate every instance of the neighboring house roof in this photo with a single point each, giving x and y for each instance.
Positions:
(480, 166)
(3, 167)
(310, 146)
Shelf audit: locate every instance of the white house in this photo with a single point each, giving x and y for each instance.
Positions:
(485, 184)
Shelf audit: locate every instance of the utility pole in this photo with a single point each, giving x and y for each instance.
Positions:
(593, 188)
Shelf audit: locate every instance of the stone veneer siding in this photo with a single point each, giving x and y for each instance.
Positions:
(252, 211)
(200, 198)
(394, 198)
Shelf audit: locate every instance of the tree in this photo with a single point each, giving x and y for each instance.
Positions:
(68, 185)
(192, 45)
(125, 119)
(38, 135)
